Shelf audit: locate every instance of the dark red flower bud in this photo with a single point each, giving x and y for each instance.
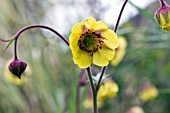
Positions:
(82, 81)
(162, 15)
(17, 67)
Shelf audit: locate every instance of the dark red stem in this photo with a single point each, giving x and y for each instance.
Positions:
(35, 26)
(120, 14)
(162, 2)
(3, 40)
(15, 50)
(115, 30)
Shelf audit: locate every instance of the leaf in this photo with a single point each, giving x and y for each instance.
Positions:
(8, 45)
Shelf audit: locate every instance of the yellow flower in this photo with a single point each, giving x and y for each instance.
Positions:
(135, 109)
(88, 103)
(120, 51)
(162, 15)
(107, 90)
(92, 42)
(148, 92)
(14, 79)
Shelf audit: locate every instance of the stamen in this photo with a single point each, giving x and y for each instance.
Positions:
(90, 41)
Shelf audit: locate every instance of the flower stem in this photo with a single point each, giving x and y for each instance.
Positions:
(94, 91)
(162, 2)
(16, 36)
(15, 50)
(90, 79)
(41, 26)
(101, 76)
(95, 102)
(119, 17)
(3, 40)
(116, 27)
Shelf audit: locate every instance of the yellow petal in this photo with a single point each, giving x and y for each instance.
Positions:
(74, 38)
(166, 27)
(89, 23)
(111, 36)
(77, 28)
(76, 52)
(120, 51)
(162, 20)
(102, 94)
(113, 89)
(107, 52)
(110, 44)
(122, 43)
(118, 57)
(100, 25)
(84, 61)
(168, 21)
(99, 59)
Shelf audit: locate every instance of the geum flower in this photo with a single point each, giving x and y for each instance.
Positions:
(107, 90)
(148, 92)
(92, 42)
(120, 51)
(162, 15)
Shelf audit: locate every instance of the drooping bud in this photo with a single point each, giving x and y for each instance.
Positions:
(17, 67)
(82, 81)
(162, 15)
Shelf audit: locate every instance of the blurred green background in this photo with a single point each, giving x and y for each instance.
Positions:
(52, 86)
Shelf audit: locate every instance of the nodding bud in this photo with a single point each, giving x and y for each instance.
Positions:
(17, 67)
(82, 81)
(162, 15)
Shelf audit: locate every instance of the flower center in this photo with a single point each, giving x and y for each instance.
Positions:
(90, 42)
